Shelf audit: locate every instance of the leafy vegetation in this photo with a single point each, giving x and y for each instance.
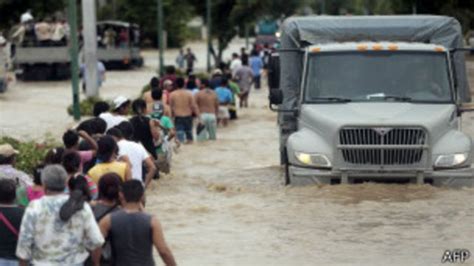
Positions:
(144, 13)
(31, 153)
(229, 17)
(86, 106)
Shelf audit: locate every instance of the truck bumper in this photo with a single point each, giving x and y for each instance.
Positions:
(452, 177)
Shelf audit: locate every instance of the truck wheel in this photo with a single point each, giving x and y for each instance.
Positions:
(282, 157)
(286, 164)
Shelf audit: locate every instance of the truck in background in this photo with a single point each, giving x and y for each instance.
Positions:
(125, 51)
(267, 33)
(34, 62)
(372, 97)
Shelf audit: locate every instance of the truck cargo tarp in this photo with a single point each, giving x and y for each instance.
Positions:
(299, 32)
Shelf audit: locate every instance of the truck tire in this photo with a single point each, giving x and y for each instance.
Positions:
(286, 166)
(282, 157)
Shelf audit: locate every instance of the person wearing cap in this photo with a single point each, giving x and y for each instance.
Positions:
(7, 166)
(119, 112)
(168, 87)
(26, 17)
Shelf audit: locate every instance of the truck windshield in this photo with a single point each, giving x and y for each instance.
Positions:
(378, 76)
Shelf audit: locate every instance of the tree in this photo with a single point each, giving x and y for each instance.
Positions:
(144, 13)
(229, 15)
(11, 10)
(355, 7)
(462, 10)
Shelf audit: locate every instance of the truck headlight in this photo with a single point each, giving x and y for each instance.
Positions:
(451, 160)
(317, 160)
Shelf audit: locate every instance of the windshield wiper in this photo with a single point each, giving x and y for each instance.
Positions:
(389, 97)
(332, 99)
(397, 98)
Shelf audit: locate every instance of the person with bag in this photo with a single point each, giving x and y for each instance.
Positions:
(58, 229)
(10, 221)
(71, 162)
(167, 132)
(108, 202)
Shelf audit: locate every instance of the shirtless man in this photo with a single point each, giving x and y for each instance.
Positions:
(183, 107)
(154, 85)
(208, 104)
(44, 32)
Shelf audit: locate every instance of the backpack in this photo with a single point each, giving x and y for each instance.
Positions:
(157, 110)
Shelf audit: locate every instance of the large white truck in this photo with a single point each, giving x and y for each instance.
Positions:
(372, 97)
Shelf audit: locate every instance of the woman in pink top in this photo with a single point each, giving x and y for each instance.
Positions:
(71, 142)
(27, 194)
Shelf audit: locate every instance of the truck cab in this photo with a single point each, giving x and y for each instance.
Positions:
(376, 110)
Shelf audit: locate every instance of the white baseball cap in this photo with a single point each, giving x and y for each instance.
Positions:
(119, 101)
(25, 17)
(217, 71)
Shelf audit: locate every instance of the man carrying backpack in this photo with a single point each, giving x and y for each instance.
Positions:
(166, 126)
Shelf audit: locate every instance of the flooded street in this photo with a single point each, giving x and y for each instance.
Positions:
(225, 204)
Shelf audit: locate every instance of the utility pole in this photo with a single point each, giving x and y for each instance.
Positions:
(209, 38)
(114, 9)
(246, 36)
(323, 7)
(89, 33)
(247, 30)
(160, 37)
(73, 53)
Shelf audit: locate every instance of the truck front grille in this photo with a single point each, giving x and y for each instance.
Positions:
(382, 145)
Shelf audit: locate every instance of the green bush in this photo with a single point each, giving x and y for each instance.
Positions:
(31, 153)
(86, 106)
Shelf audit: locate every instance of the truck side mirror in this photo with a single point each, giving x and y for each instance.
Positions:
(274, 71)
(276, 96)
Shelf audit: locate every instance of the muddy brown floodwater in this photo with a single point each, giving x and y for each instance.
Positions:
(224, 203)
